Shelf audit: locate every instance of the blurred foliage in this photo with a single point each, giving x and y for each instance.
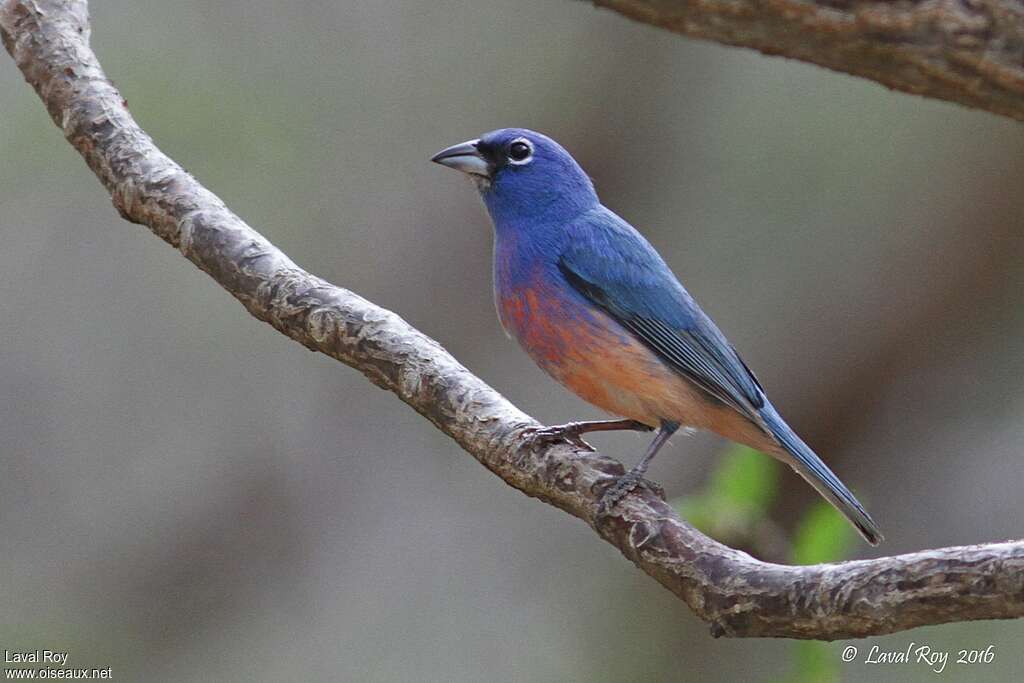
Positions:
(814, 662)
(823, 535)
(737, 497)
(734, 509)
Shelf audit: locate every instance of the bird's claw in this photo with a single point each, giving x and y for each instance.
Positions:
(538, 437)
(621, 487)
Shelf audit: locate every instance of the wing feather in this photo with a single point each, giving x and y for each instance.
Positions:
(617, 270)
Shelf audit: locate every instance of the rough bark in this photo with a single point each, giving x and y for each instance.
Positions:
(737, 594)
(965, 51)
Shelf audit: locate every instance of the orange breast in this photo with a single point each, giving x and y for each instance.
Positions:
(591, 354)
(604, 364)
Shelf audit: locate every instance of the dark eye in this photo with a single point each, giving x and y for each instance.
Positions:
(519, 151)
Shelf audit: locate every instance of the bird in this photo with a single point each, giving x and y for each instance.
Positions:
(598, 309)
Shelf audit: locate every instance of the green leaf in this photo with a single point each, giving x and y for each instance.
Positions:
(698, 510)
(737, 497)
(746, 479)
(816, 662)
(823, 535)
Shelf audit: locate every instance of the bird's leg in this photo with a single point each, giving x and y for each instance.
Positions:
(574, 431)
(627, 482)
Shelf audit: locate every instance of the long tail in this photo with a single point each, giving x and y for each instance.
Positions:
(811, 468)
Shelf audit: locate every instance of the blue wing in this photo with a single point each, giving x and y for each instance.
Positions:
(613, 266)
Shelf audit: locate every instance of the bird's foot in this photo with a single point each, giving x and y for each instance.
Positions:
(538, 437)
(622, 486)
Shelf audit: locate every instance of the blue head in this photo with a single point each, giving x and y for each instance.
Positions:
(525, 178)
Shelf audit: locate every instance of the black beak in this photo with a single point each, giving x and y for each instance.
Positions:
(465, 157)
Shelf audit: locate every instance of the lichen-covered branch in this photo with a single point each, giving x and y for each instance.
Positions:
(738, 595)
(965, 51)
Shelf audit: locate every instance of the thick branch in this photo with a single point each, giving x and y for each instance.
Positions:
(739, 595)
(965, 51)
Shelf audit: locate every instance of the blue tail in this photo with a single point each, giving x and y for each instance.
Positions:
(811, 468)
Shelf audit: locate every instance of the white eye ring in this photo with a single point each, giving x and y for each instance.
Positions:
(525, 160)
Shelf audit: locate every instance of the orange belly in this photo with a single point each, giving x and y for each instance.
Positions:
(605, 365)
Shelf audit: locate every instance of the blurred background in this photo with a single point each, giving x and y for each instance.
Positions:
(190, 496)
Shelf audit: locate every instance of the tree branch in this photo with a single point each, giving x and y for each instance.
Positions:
(738, 595)
(965, 51)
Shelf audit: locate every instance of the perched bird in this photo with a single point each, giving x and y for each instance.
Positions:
(595, 306)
